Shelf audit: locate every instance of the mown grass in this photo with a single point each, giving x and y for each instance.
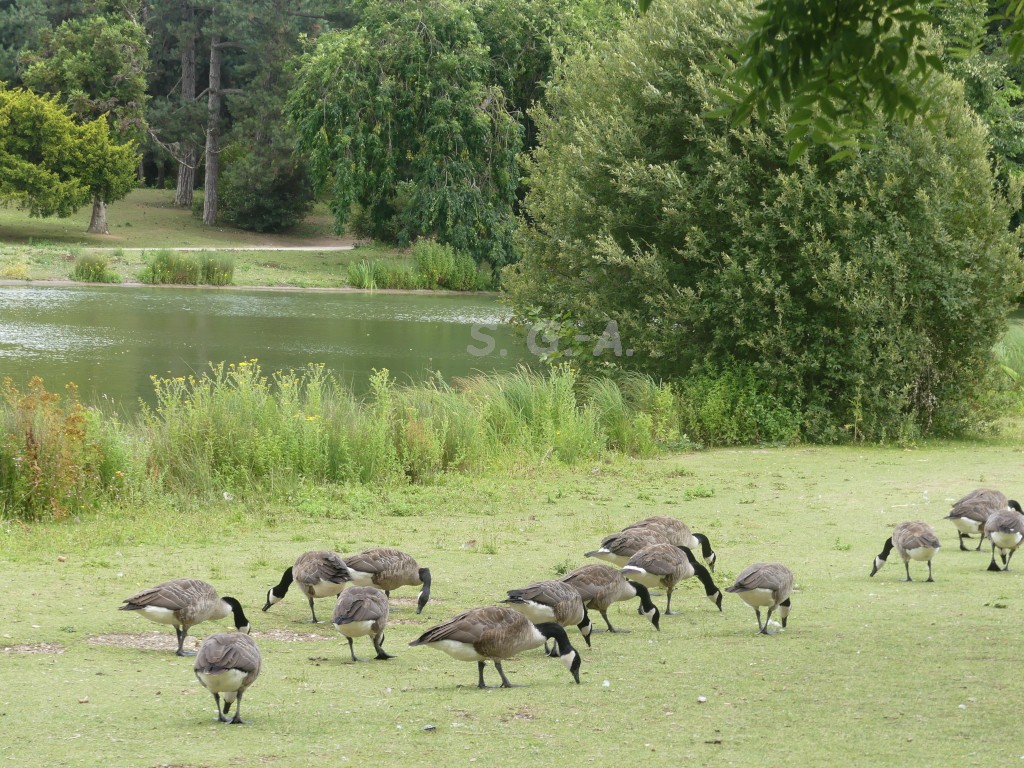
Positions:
(146, 221)
(871, 671)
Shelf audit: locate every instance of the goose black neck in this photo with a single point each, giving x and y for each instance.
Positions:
(1014, 505)
(239, 614)
(282, 586)
(644, 594)
(884, 555)
(705, 545)
(689, 554)
(704, 576)
(424, 574)
(556, 632)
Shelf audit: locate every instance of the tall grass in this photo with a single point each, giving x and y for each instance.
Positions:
(236, 429)
(94, 268)
(166, 267)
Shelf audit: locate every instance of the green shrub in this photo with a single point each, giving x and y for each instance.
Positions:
(217, 269)
(266, 190)
(395, 276)
(360, 275)
(56, 457)
(93, 268)
(434, 261)
(166, 267)
(863, 291)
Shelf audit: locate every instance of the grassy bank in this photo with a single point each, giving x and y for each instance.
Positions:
(871, 671)
(146, 221)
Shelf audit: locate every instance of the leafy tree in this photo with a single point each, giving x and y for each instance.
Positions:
(51, 164)
(863, 293)
(21, 22)
(98, 65)
(398, 115)
(264, 188)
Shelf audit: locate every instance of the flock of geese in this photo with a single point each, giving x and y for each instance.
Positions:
(654, 553)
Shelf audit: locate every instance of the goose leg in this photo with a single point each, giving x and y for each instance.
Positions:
(220, 715)
(237, 719)
(181, 632)
(505, 682)
(668, 604)
(992, 565)
(962, 547)
(929, 572)
(312, 610)
(906, 564)
(757, 612)
(981, 540)
(766, 620)
(1009, 557)
(480, 667)
(604, 615)
(378, 643)
(351, 649)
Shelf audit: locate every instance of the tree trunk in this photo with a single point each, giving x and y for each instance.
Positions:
(212, 135)
(98, 223)
(187, 161)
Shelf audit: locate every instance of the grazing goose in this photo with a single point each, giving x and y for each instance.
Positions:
(665, 565)
(1006, 531)
(765, 585)
(183, 603)
(228, 663)
(551, 601)
(601, 585)
(677, 532)
(913, 541)
(362, 611)
(317, 574)
(387, 568)
(495, 633)
(970, 513)
(617, 548)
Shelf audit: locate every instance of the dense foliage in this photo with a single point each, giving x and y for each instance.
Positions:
(397, 114)
(863, 295)
(50, 164)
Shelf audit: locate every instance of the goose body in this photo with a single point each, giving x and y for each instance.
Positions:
(913, 540)
(318, 573)
(227, 664)
(183, 603)
(665, 565)
(362, 611)
(1005, 530)
(618, 548)
(765, 585)
(387, 568)
(677, 532)
(602, 585)
(495, 633)
(554, 601)
(970, 512)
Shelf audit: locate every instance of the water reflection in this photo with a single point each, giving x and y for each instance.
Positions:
(111, 340)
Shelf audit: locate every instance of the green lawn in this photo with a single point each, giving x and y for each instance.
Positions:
(871, 671)
(46, 249)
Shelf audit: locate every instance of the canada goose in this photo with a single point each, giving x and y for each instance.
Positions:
(387, 568)
(665, 565)
(362, 611)
(183, 603)
(551, 601)
(617, 548)
(913, 541)
(677, 532)
(317, 574)
(494, 633)
(1005, 530)
(601, 585)
(765, 585)
(970, 512)
(228, 663)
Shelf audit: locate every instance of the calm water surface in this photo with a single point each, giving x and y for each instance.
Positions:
(111, 340)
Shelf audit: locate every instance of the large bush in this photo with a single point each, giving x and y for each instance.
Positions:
(264, 190)
(863, 294)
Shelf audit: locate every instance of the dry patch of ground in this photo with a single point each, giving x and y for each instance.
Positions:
(33, 648)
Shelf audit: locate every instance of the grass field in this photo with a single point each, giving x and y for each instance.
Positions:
(45, 249)
(871, 671)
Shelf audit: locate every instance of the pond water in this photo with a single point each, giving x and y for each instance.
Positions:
(111, 340)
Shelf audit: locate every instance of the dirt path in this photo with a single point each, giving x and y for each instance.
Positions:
(234, 248)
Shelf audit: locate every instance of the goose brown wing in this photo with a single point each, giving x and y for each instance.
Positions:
(658, 559)
(473, 626)
(228, 651)
(360, 604)
(174, 595)
(317, 567)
